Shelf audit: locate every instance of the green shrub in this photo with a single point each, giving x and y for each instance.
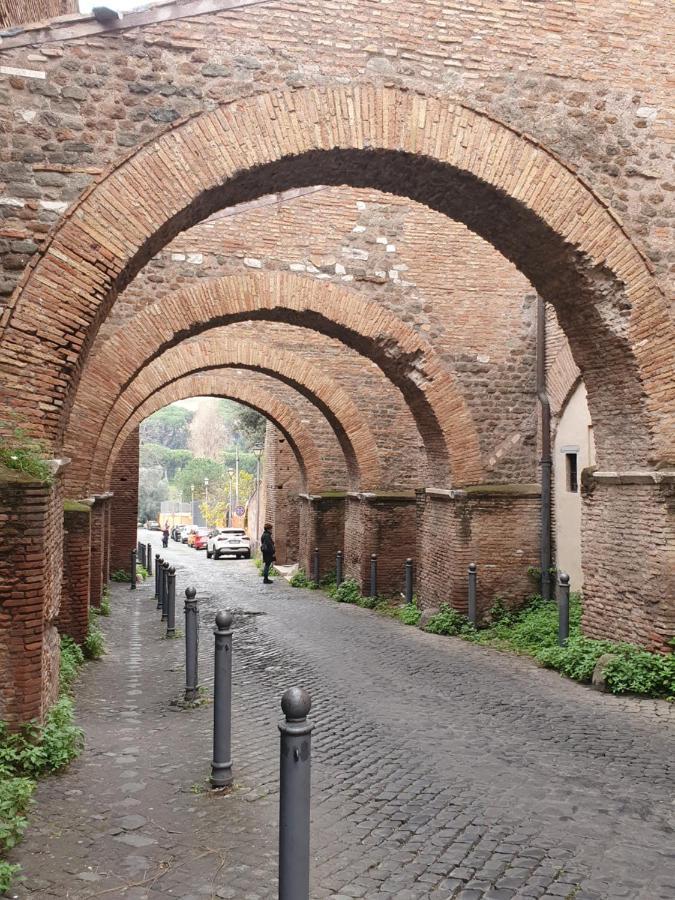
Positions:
(120, 575)
(348, 592)
(141, 570)
(259, 564)
(25, 454)
(448, 621)
(94, 643)
(72, 658)
(38, 750)
(15, 799)
(104, 608)
(7, 874)
(300, 580)
(409, 614)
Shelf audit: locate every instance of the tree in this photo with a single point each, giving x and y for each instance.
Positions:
(172, 461)
(153, 488)
(168, 426)
(208, 433)
(251, 427)
(194, 473)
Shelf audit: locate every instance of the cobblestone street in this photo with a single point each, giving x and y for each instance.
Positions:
(440, 769)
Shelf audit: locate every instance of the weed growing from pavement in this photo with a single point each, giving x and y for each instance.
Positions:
(35, 751)
(94, 643)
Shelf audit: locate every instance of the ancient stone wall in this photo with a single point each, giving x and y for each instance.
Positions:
(124, 504)
(73, 618)
(282, 483)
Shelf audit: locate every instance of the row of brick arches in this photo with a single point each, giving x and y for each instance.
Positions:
(411, 424)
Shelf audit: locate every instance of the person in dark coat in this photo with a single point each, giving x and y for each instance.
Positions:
(165, 536)
(267, 550)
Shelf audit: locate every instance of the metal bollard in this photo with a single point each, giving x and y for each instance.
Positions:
(191, 644)
(294, 795)
(133, 570)
(338, 568)
(563, 608)
(221, 765)
(408, 581)
(144, 560)
(158, 583)
(472, 593)
(171, 603)
(373, 575)
(315, 567)
(148, 556)
(165, 590)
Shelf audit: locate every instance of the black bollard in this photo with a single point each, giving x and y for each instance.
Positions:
(373, 575)
(472, 594)
(563, 608)
(294, 795)
(165, 590)
(191, 644)
(171, 603)
(133, 570)
(221, 765)
(158, 582)
(315, 567)
(338, 568)
(408, 581)
(148, 556)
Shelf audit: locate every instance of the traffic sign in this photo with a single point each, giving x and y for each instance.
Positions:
(239, 510)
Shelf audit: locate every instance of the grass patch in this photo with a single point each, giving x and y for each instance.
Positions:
(94, 643)
(259, 564)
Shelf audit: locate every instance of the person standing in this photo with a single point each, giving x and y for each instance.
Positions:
(267, 551)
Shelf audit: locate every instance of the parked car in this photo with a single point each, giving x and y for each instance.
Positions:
(151, 525)
(228, 540)
(185, 534)
(200, 539)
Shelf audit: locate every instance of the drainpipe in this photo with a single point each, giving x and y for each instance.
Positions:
(546, 463)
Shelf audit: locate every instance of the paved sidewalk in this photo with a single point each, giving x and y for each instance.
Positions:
(440, 769)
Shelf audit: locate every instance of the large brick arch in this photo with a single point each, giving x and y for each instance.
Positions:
(501, 184)
(441, 414)
(217, 352)
(223, 384)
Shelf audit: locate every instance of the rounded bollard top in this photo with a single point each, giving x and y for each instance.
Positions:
(224, 619)
(373, 555)
(408, 561)
(339, 553)
(295, 704)
(172, 570)
(472, 567)
(166, 564)
(564, 578)
(316, 549)
(191, 593)
(157, 556)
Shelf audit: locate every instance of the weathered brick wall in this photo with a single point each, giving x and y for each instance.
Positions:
(282, 489)
(322, 526)
(123, 505)
(499, 531)
(73, 618)
(98, 534)
(385, 526)
(30, 579)
(633, 523)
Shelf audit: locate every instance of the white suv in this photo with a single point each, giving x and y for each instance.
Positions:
(228, 540)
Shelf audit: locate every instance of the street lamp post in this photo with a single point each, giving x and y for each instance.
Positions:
(230, 474)
(192, 503)
(258, 450)
(206, 498)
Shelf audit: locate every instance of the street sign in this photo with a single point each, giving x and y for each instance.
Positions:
(239, 510)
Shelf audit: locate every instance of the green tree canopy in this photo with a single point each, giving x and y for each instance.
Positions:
(195, 472)
(172, 461)
(169, 427)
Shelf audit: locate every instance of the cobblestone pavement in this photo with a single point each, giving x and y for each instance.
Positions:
(440, 769)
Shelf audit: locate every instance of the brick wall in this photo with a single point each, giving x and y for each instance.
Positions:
(387, 527)
(282, 489)
(322, 526)
(631, 520)
(97, 548)
(30, 580)
(73, 617)
(498, 531)
(123, 505)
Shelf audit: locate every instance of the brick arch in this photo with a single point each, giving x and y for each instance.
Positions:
(223, 384)
(440, 411)
(500, 183)
(215, 352)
